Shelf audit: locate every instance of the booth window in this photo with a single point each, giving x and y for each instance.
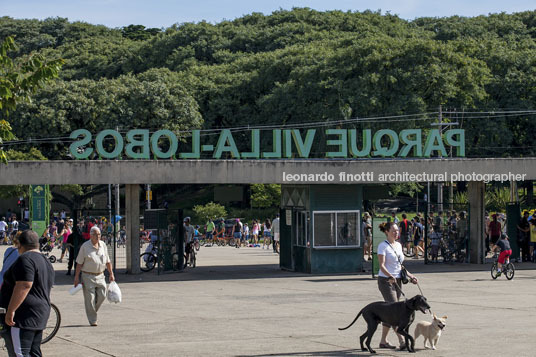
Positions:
(336, 229)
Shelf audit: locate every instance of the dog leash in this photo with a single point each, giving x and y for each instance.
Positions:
(402, 293)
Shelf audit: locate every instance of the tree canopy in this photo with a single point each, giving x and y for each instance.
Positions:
(288, 67)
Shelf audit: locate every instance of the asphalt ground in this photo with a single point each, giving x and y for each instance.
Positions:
(237, 302)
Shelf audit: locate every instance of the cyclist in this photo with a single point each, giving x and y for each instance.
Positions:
(209, 231)
(504, 257)
(188, 239)
(220, 229)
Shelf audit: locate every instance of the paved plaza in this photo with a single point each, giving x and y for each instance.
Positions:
(238, 303)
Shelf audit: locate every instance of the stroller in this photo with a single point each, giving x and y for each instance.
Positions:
(45, 247)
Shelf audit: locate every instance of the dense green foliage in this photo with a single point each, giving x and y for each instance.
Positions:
(208, 211)
(286, 68)
(19, 78)
(265, 195)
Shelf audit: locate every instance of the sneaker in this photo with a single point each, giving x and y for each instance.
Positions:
(387, 345)
(60, 261)
(499, 273)
(68, 273)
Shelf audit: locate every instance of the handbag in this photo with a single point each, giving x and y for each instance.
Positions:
(403, 272)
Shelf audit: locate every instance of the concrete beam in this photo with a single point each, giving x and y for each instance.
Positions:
(476, 221)
(132, 202)
(253, 171)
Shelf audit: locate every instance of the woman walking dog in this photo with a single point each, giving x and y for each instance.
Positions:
(390, 257)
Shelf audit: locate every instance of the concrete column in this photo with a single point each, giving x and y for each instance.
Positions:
(132, 203)
(477, 221)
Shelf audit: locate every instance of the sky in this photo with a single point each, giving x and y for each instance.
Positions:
(164, 13)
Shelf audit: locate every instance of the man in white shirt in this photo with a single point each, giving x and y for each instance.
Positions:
(276, 231)
(14, 225)
(3, 229)
(188, 239)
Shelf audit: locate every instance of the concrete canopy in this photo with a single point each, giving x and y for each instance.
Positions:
(258, 171)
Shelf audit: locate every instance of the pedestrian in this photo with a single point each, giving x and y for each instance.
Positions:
(366, 230)
(406, 229)
(418, 234)
(533, 236)
(74, 237)
(14, 225)
(266, 228)
(64, 236)
(487, 221)
(237, 232)
(25, 294)
(188, 240)
(276, 233)
(495, 229)
(390, 258)
(246, 234)
(91, 261)
(523, 237)
(10, 256)
(255, 232)
(3, 231)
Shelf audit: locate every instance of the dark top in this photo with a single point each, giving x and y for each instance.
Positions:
(418, 230)
(405, 227)
(524, 223)
(33, 313)
(504, 245)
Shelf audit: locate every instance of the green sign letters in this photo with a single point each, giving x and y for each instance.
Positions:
(285, 143)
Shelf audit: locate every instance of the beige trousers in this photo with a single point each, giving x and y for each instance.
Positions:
(94, 288)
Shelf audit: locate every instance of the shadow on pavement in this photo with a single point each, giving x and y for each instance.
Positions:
(356, 353)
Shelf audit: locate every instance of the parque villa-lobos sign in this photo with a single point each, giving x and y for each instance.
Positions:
(286, 143)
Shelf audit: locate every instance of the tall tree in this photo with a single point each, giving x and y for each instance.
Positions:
(19, 79)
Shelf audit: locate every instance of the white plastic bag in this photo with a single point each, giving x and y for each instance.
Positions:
(75, 289)
(114, 293)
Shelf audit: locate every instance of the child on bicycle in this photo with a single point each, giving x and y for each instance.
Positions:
(505, 251)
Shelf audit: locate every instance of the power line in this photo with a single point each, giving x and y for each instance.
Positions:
(375, 120)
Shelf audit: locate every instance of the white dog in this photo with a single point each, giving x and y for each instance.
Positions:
(431, 330)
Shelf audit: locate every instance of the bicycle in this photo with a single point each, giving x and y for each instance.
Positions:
(149, 259)
(192, 257)
(53, 324)
(508, 269)
(453, 250)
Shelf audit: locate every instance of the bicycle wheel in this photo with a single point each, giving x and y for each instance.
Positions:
(53, 324)
(510, 271)
(232, 242)
(196, 245)
(147, 261)
(494, 271)
(193, 259)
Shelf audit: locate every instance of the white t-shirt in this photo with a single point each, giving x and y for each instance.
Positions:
(189, 233)
(391, 260)
(275, 225)
(246, 230)
(3, 226)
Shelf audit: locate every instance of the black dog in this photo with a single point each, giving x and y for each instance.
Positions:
(396, 314)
